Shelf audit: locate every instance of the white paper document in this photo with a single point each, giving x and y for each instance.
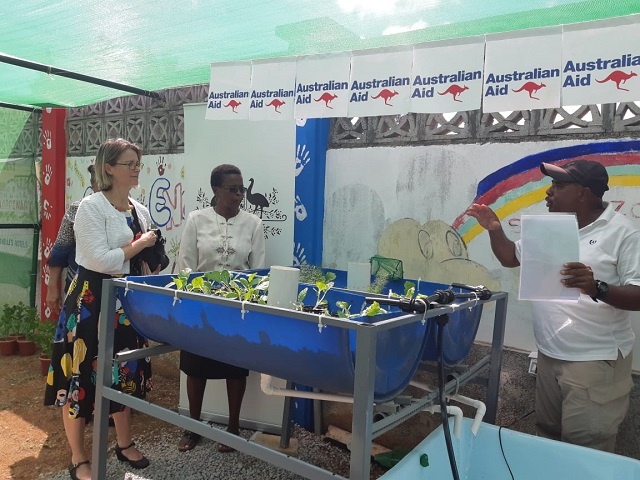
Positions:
(547, 242)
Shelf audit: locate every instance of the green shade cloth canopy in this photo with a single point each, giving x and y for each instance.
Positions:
(159, 44)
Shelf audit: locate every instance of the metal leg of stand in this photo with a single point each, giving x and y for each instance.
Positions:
(285, 433)
(317, 415)
(363, 386)
(495, 364)
(105, 359)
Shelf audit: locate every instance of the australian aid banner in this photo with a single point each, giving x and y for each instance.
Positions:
(273, 84)
(380, 82)
(601, 65)
(447, 76)
(591, 62)
(229, 91)
(322, 89)
(522, 70)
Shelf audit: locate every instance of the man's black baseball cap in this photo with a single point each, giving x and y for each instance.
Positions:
(587, 173)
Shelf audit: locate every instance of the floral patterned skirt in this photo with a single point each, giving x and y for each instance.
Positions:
(72, 373)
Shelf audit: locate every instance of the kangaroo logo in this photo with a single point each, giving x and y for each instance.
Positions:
(233, 104)
(454, 90)
(386, 94)
(618, 77)
(276, 104)
(327, 98)
(531, 88)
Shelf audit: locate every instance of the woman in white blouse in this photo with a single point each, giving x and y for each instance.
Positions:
(223, 237)
(110, 229)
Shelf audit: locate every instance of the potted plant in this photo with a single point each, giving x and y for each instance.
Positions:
(8, 330)
(44, 336)
(28, 322)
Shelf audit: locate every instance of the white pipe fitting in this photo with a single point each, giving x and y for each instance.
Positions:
(268, 389)
(456, 412)
(480, 407)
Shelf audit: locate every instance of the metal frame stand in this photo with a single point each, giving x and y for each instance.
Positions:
(364, 430)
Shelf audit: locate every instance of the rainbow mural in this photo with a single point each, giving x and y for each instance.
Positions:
(522, 184)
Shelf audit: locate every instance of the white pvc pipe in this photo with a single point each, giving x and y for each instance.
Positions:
(456, 412)
(268, 389)
(481, 408)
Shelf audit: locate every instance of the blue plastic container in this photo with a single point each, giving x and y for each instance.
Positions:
(530, 458)
(459, 333)
(285, 347)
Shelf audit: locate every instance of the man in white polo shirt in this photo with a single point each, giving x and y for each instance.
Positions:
(584, 348)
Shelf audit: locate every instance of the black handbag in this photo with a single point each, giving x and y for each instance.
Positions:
(156, 254)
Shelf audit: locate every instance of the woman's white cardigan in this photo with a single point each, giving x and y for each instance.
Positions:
(101, 231)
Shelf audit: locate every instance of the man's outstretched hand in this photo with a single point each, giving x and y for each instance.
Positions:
(486, 217)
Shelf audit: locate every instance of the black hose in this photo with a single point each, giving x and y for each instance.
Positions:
(416, 305)
(443, 403)
(480, 292)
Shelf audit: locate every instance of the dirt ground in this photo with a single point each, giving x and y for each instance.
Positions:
(32, 439)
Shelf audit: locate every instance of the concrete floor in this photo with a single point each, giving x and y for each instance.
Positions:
(515, 406)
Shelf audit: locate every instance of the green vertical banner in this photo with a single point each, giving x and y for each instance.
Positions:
(18, 213)
(18, 199)
(18, 206)
(16, 257)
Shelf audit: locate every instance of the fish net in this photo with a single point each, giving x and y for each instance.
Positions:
(391, 268)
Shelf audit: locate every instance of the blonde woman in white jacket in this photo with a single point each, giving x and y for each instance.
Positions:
(111, 229)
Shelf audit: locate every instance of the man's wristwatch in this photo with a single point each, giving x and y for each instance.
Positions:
(602, 289)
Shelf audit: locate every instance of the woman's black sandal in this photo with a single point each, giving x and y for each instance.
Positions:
(74, 467)
(139, 464)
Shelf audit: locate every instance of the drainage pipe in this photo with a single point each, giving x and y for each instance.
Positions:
(456, 412)
(480, 407)
(268, 389)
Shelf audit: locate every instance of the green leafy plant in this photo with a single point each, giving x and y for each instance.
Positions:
(19, 319)
(344, 309)
(254, 288)
(410, 291)
(29, 322)
(6, 321)
(250, 288)
(44, 338)
(321, 287)
(373, 310)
